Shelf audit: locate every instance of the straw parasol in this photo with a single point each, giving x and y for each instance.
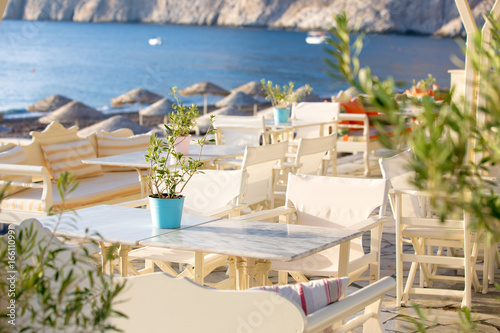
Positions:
(48, 104)
(237, 99)
(161, 108)
(72, 112)
(252, 88)
(204, 88)
(137, 95)
(114, 123)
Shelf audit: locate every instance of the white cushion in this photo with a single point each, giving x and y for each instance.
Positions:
(15, 155)
(68, 156)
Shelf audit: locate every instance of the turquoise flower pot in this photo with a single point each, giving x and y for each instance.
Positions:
(166, 213)
(281, 115)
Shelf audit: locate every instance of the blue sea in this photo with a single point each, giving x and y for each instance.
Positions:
(94, 62)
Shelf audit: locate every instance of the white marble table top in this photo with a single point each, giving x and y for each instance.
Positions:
(137, 160)
(258, 240)
(114, 224)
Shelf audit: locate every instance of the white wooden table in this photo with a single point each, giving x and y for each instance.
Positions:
(108, 224)
(137, 161)
(254, 244)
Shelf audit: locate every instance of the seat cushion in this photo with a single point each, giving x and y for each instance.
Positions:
(15, 155)
(313, 295)
(68, 156)
(89, 191)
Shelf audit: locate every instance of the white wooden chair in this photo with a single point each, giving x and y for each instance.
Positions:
(313, 156)
(333, 202)
(263, 165)
(216, 193)
(426, 234)
(240, 130)
(432, 240)
(158, 302)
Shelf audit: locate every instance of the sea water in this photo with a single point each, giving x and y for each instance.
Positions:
(94, 62)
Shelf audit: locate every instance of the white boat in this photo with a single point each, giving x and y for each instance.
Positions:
(315, 37)
(155, 41)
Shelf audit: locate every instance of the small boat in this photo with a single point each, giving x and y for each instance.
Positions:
(155, 41)
(315, 37)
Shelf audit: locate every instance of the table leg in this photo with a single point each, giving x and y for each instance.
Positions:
(123, 259)
(107, 265)
(262, 270)
(344, 251)
(198, 267)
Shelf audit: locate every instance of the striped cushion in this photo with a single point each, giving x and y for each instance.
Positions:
(112, 145)
(89, 191)
(313, 295)
(15, 155)
(68, 156)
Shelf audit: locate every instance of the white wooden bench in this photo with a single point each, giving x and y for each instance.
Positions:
(42, 193)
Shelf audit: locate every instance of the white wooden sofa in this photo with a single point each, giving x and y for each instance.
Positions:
(34, 173)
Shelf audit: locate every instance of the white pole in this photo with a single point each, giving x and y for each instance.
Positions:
(205, 104)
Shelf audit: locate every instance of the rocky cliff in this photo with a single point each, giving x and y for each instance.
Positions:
(402, 16)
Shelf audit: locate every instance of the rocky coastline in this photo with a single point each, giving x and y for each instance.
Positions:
(428, 17)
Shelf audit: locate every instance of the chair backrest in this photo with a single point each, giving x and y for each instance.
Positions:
(239, 130)
(395, 169)
(316, 112)
(334, 201)
(311, 152)
(214, 189)
(259, 162)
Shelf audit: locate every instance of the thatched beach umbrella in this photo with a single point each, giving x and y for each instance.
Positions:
(137, 95)
(114, 123)
(48, 104)
(252, 88)
(161, 108)
(204, 88)
(237, 99)
(72, 112)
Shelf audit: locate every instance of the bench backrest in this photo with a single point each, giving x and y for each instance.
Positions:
(57, 133)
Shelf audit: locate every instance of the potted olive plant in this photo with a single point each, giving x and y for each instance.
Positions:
(282, 98)
(170, 170)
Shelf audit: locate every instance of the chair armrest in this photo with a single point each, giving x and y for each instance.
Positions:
(370, 223)
(33, 171)
(353, 116)
(350, 305)
(267, 214)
